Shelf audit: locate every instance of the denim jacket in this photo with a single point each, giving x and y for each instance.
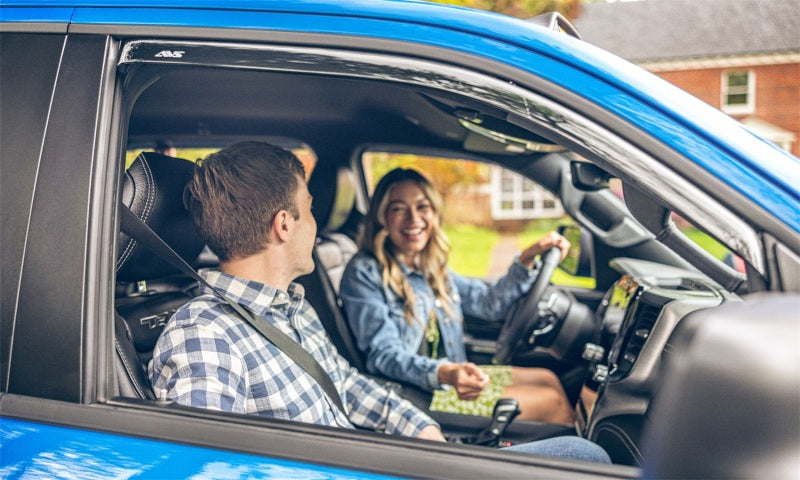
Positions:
(391, 344)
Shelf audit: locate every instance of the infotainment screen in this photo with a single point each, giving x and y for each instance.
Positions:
(621, 294)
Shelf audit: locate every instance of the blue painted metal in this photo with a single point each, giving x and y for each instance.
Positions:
(760, 171)
(10, 14)
(34, 450)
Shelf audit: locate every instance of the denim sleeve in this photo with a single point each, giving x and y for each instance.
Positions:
(378, 332)
(491, 301)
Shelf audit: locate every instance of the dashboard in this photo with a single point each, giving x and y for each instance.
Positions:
(637, 317)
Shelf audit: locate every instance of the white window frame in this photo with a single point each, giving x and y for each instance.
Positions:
(739, 109)
(517, 196)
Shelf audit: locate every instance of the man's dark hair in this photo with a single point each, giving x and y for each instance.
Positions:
(236, 192)
(163, 145)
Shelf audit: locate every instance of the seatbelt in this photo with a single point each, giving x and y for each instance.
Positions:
(139, 231)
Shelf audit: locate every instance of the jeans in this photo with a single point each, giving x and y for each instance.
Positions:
(575, 448)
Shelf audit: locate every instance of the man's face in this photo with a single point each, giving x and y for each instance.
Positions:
(305, 231)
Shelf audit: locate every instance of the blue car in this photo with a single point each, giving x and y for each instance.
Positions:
(693, 356)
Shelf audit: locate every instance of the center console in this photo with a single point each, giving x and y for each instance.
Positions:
(638, 314)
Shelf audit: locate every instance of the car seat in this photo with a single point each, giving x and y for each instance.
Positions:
(337, 220)
(148, 289)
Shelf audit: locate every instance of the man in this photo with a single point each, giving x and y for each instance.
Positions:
(251, 204)
(166, 147)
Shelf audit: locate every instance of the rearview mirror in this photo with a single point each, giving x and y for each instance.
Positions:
(588, 176)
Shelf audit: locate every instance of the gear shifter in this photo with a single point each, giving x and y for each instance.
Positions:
(505, 410)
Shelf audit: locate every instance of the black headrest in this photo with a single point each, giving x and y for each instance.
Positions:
(153, 189)
(334, 194)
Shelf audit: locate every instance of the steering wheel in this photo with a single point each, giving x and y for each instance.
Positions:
(522, 319)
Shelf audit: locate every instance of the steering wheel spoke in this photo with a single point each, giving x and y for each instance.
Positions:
(521, 324)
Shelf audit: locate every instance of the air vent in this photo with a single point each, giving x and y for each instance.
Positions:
(645, 318)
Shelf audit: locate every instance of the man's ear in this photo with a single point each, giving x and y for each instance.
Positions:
(281, 226)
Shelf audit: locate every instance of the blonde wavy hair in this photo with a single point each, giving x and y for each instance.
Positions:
(432, 261)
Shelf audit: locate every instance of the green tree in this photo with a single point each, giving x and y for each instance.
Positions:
(521, 8)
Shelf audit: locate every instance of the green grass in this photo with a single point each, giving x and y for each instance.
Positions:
(470, 249)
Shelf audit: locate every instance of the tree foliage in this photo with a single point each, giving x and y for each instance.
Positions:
(521, 8)
(443, 173)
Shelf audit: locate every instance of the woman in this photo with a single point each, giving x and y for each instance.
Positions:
(406, 307)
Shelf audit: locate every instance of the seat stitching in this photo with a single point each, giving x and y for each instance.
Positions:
(128, 368)
(148, 207)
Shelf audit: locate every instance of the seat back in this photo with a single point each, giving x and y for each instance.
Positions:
(337, 214)
(149, 290)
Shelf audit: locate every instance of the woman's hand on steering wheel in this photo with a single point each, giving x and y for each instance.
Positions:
(467, 378)
(552, 239)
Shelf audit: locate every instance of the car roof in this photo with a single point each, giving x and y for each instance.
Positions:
(760, 170)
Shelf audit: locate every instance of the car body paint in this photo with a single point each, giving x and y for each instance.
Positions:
(35, 450)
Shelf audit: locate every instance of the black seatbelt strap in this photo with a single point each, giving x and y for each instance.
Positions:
(139, 231)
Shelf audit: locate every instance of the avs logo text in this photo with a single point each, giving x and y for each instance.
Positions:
(170, 54)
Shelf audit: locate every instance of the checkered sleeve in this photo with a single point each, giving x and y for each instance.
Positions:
(199, 367)
(372, 406)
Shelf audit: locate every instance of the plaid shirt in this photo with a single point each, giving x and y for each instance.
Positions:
(208, 357)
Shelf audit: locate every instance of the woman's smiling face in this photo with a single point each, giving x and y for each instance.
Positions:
(410, 218)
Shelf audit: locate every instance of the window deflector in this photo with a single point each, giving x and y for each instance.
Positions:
(554, 119)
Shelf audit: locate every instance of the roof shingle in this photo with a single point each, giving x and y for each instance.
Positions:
(658, 30)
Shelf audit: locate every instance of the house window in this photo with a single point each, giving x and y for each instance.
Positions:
(738, 92)
(515, 197)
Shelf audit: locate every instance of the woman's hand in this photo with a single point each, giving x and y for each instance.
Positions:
(552, 239)
(468, 380)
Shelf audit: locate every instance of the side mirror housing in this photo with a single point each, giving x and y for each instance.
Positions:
(578, 261)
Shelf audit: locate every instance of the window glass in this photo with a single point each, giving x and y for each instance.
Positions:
(708, 243)
(737, 92)
(490, 213)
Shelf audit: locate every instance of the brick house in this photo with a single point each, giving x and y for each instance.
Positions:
(741, 56)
